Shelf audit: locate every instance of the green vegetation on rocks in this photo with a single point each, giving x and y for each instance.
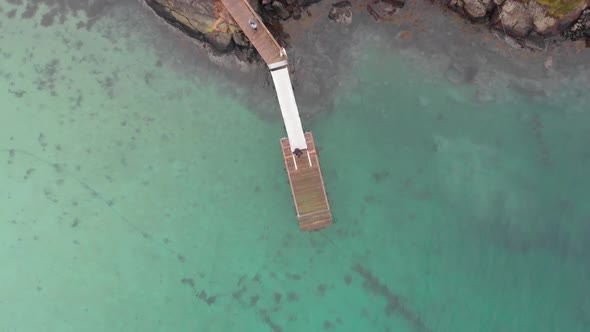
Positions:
(559, 8)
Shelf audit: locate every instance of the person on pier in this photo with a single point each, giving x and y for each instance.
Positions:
(253, 24)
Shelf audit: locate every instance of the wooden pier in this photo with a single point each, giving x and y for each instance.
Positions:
(261, 38)
(305, 175)
(307, 186)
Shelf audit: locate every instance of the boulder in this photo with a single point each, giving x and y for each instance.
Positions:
(296, 13)
(240, 39)
(221, 42)
(515, 18)
(341, 12)
(543, 23)
(477, 10)
(532, 19)
(580, 30)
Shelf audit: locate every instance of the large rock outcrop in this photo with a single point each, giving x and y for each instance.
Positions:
(523, 18)
(206, 20)
(209, 21)
(514, 18)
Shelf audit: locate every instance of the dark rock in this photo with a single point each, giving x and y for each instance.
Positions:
(296, 13)
(222, 42)
(281, 10)
(382, 9)
(255, 4)
(534, 44)
(341, 12)
(580, 30)
(458, 73)
(240, 39)
(307, 3)
(342, 4)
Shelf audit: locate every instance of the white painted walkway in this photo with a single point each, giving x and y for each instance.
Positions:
(289, 110)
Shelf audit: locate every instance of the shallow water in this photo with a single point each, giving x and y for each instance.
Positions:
(140, 197)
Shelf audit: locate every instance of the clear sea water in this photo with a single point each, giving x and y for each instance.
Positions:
(138, 197)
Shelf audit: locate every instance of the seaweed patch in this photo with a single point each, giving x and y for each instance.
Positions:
(206, 298)
(395, 303)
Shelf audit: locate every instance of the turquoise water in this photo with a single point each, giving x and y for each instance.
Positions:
(140, 198)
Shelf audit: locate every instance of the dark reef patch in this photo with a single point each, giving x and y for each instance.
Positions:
(206, 298)
(11, 14)
(49, 17)
(61, 10)
(395, 303)
(30, 10)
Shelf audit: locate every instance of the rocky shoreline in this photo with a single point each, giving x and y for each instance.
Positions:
(328, 40)
(528, 25)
